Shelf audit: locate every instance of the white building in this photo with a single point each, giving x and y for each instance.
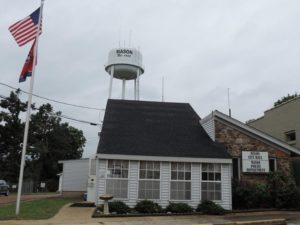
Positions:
(158, 151)
(74, 178)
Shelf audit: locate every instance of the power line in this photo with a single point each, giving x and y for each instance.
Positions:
(68, 117)
(53, 100)
(78, 120)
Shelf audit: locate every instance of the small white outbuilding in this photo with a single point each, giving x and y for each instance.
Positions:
(74, 177)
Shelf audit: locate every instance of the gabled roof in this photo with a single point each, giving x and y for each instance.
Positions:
(260, 134)
(146, 128)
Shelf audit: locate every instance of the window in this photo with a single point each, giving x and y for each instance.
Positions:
(117, 178)
(290, 136)
(149, 183)
(117, 169)
(272, 164)
(180, 181)
(235, 168)
(211, 182)
(117, 188)
(93, 167)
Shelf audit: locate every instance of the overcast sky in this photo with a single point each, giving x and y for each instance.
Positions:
(201, 48)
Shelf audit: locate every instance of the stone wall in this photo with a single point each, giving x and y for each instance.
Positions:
(237, 141)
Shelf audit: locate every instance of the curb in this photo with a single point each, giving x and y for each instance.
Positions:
(256, 222)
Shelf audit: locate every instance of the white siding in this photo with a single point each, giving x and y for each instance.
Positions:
(165, 177)
(133, 183)
(75, 175)
(226, 187)
(196, 185)
(101, 182)
(208, 124)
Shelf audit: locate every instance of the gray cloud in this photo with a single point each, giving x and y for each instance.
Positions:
(200, 47)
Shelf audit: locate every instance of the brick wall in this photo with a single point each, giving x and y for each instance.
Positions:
(237, 141)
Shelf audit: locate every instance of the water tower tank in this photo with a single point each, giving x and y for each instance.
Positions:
(125, 64)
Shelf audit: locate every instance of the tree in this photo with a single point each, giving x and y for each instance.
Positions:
(11, 136)
(50, 140)
(285, 99)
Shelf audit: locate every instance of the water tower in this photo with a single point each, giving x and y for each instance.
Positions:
(125, 64)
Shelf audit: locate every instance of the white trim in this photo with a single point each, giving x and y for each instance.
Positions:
(72, 160)
(255, 132)
(118, 178)
(96, 181)
(214, 182)
(139, 179)
(162, 158)
(222, 186)
(190, 181)
(105, 176)
(207, 118)
(275, 164)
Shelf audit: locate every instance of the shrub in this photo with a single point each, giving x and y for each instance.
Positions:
(119, 207)
(147, 206)
(179, 208)
(283, 190)
(248, 196)
(210, 207)
(262, 196)
(279, 191)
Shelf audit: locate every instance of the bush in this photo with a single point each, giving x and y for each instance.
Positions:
(279, 191)
(283, 190)
(179, 208)
(210, 207)
(147, 206)
(248, 196)
(118, 207)
(242, 196)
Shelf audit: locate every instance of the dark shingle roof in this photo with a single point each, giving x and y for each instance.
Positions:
(155, 129)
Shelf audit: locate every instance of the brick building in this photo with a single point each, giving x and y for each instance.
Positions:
(254, 153)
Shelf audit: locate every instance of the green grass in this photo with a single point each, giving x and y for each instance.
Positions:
(34, 210)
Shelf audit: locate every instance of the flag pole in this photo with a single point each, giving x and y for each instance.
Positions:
(28, 113)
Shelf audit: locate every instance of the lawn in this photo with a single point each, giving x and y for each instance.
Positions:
(34, 210)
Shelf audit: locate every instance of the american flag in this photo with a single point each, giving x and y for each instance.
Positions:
(25, 30)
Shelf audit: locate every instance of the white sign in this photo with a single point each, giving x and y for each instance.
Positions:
(43, 185)
(255, 162)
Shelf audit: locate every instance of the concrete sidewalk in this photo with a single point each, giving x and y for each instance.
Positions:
(75, 216)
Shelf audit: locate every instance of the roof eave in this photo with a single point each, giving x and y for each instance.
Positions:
(164, 158)
(256, 132)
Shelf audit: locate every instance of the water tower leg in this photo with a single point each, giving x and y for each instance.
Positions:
(123, 89)
(111, 81)
(138, 84)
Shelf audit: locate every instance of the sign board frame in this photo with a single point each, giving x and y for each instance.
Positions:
(255, 162)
